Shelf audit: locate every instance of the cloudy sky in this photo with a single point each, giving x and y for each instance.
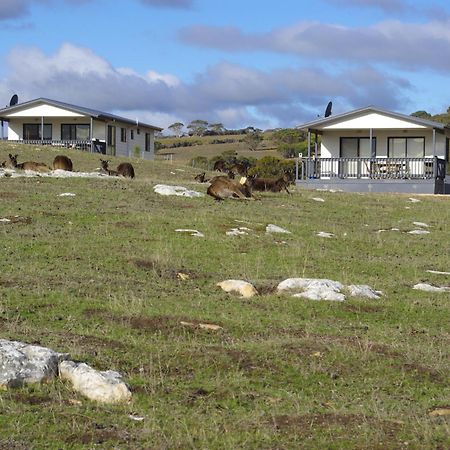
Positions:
(249, 62)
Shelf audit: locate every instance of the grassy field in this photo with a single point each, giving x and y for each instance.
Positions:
(96, 275)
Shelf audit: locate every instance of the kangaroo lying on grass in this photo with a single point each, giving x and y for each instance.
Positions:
(222, 187)
(63, 163)
(123, 169)
(27, 165)
(268, 184)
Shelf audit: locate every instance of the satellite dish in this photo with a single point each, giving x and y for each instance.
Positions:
(328, 110)
(14, 100)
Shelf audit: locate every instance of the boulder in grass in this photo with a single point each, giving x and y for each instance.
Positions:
(309, 283)
(362, 290)
(430, 288)
(321, 293)
(22, 363)
(245, 289)
(103, 387)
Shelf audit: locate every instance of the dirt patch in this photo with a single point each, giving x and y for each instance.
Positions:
(99, 435)
(362, 308)
(29, 399)
(305, 348)
(9, 195)
(126, 224)
(423, 373)
(12, 444)
(162, 270)
(91, 342)
(308, 424)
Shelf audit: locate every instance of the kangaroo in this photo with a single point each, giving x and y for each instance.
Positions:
(268, 184)
(222, 187)
(63, 163)
(126, 170)
(27, 165)
(201, 177)
(104, 168)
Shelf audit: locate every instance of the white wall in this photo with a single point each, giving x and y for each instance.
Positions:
(331, 140)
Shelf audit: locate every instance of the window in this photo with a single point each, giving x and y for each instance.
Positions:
(75, 132)
(147, 142)
(357, 147)
(138, 131)
(32, 131)
(123, 135)
(406, 147)
(131, 134)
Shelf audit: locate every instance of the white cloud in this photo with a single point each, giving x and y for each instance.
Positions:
(405, 45)
(225, 92)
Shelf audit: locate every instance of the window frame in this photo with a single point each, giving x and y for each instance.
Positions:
(406, 138)
(75, 125)
(38, 127)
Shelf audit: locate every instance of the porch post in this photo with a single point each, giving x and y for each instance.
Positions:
(309, 144)
(2, 131)
(42, 129)
(434, 142)
(315, 146)
(91, 134)
(372, 150)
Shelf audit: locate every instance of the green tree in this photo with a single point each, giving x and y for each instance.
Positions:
(176, 128)
(421, 114)
(198, 127)
(253, 140)
(217, 128)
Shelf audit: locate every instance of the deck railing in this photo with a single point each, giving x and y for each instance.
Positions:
(78, 144)
(371, 168)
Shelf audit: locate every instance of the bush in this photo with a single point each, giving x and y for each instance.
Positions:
(271, 167)
(199, 162)
(292, 150)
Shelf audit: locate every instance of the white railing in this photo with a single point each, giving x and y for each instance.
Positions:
(371, 168)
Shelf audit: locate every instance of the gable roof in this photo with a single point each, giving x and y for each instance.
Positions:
(320, 123)
(94, 113)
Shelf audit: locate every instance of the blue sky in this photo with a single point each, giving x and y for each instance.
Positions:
(248, 62)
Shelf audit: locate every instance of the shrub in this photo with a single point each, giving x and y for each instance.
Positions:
(271, 167)
(199, 162)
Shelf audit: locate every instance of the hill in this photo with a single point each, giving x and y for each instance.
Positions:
(97, 275)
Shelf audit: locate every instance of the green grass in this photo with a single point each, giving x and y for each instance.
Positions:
(95, 275)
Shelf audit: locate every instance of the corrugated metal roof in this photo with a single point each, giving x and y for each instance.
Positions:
(333, 119)
(77, 109)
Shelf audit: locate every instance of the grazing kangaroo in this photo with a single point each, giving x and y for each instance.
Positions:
(63, 163)
(126, 170)
(222, 187)
(27, 165)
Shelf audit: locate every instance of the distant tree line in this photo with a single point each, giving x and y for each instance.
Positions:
(199, 127)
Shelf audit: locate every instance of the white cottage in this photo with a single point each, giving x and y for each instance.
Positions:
(371, 149)
(45, 121)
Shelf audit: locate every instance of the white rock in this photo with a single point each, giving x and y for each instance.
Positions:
(309, 283)
(67, 194)
(413, 200)
(271, 228)
(104, 387)
(318, 199)
(245, 289)
(438, 272)
(324, 234)
(5, 220)
(23, 363)
(418, 232)
(164, 189)
(241, 231)
(195, 233)
(362, 290)
(429, 288)
(321, 293)
(421, 224)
